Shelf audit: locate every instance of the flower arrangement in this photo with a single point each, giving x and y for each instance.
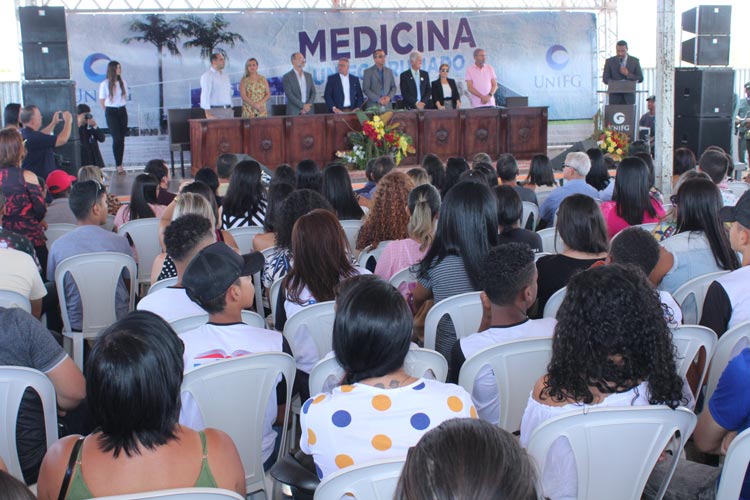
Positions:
(615, 143)
(379, 136)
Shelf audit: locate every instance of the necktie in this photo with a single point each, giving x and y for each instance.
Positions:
(416, 82)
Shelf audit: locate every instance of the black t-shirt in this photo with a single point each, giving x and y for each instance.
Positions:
(717, 309)
(40, 154)
(518, 235)
(554, 273)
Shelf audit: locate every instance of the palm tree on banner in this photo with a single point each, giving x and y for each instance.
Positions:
(163, 34)
(208, 35)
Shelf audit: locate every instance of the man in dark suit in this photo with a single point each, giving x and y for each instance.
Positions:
(343, 92)
(622, 67)
(415, 84)
(299, 88)
(378, 83)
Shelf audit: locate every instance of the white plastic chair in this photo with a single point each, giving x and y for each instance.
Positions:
(180, 494)
(516, 365)
(317, 321)
(419, 363)
(214, 388)
(729, 345)
(351, 228)
(735, 467)
(529, 209)
(145, 236)
(273, 296)
(371, 481)
(167, 282)
(539, 255)
(691, 295)
(13, 382)
(9, 298)
(110, 224)
(738, 188)
(403, 276)
(465, 311)
(96, 276)
(369, 251)
(244, 237)
(689, 339)
(554, 303)
(186, 324)
(56, 230)
(269, 252)
(551, 243)
(627, 440)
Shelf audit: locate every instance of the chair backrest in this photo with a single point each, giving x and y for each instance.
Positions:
(735, 467)
(369, 251)
(539, 255)
(145, 236)
(639, 434)
(551, 243)
(729, 345)
(351, 228)
(177, 125)
(186, 324)
(273, 296)
(315, 320)
(465, 311)
(372, 481)
(517, 365)
(9, 298)
(214, 389)
(419, 362)
(110, 224)
(180, 494)
(244, 237)
(56, 230)
(269, 252)
(403, 276)
(530, 210)
(689, 339)
(162, 284)
(691, 295)
(554, 303)
(13, 382)
(738, 188)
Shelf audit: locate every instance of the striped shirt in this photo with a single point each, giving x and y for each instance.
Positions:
(257, 218)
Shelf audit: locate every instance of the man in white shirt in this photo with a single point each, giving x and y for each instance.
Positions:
(343, 92)
(216, 90)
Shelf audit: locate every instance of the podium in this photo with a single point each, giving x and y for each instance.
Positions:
(618, 115)
(621, 91)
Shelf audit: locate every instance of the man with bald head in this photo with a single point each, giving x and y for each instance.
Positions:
(299, 88)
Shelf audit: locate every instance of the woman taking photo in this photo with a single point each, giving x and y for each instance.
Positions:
(337, 189)
(444, 91)
(142, 201)
(632, 203)
(388, 218)
(134, 440)
(254, 91)
(245, 203)
(113, 94)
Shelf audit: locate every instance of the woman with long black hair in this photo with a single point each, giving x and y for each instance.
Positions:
(113, 94)
(143, 203)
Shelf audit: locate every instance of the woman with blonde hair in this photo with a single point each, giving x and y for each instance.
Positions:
(388, 218)
(254, 91)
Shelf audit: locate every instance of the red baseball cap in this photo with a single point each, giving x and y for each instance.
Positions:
(58, 181)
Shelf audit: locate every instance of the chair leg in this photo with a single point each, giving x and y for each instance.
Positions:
(171, 156)
(78, 349)
(182, 163)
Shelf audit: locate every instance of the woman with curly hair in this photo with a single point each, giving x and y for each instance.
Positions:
(611, 347)
(388, 218)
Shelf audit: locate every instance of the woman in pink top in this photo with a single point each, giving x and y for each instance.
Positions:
(423, 205)
(143, 203)
(631, 203)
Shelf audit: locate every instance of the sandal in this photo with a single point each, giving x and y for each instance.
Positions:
(121, 171)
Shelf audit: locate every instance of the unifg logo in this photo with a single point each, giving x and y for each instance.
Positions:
(618, 118)
(557, 57)
(88, 67)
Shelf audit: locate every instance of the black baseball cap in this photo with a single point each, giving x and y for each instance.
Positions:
(213, 270)
(740, 212)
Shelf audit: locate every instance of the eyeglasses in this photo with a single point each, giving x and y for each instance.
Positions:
(674, 199)
(444, 70)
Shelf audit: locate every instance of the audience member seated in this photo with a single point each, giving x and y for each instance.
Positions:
(509, 212)
(508, 284)
(208, 177)
(418, 176)
(424, 206)
(632, 203)
(715, 164)
(541, 178)
(480, 158)
(700, 244)
(507, 171)
(684, 160)
(473, 176)
(19, 273)
(466, 230)
(381, 166)
(619, 353)
(278, 192)
(389, 217)
(220, 281)
(654, 191)
(224, 167)
(453, 170)
(575, 169)
(435, 169)
(467, 458)
(583, 232)
(89, 204)
(184, 238)
(137, 423)
(380, 411)
(726, 304)
(58, 186)
(598, 177)
(489, 173)
(14, 241)
(321, 261)
(12, 488)
(143, 203)
(668, 224)
(245, 203)
(94, 173)
(309, 176)
(158, 168)
(337, 189)
(27, 343)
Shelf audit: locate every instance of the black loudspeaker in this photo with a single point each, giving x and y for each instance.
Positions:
(703, 92)
(708, 20)
(43, 24)
(698, 133)
(44, 39)
(580, 146)
(706, 50)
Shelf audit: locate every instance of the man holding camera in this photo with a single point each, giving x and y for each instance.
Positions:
(41, 142)
(91, 136)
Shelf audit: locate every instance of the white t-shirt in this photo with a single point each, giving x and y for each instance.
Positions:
(18, 273)
(359, 423)
(117, 100)
(672, 311)
(212, 342)
(171, 303)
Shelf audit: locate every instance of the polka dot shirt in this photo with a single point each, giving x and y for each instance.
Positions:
(358, 423)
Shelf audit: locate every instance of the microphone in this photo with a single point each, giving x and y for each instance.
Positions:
(622, 60)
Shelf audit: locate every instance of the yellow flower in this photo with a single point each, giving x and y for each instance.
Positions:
(619, 151)
(608, 133)
(611, 149)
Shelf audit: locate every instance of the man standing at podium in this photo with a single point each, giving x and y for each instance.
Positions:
(622, 67)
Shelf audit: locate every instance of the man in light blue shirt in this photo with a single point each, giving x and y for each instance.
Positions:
(575, 168)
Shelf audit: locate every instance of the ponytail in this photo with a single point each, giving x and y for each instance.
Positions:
(424, 205)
